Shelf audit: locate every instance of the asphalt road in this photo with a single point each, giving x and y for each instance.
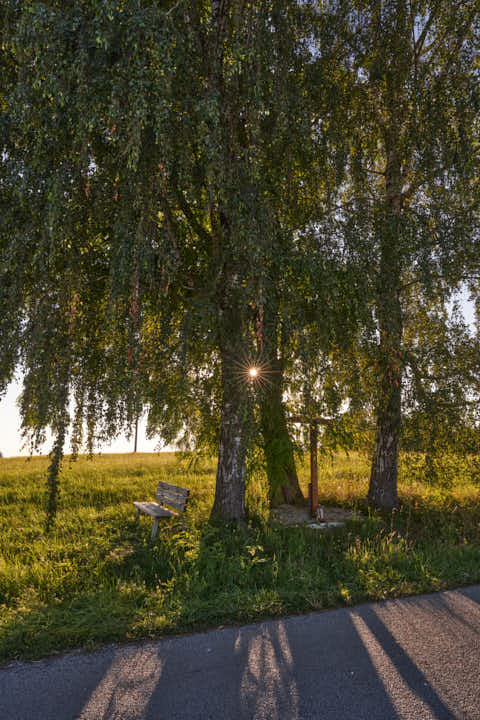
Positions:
(413, 658)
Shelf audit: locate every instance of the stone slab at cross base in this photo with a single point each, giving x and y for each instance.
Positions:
(293, 515)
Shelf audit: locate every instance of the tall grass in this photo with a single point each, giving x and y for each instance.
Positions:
(97, 577)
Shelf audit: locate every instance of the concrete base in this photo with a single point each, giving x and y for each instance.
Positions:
(292, 515)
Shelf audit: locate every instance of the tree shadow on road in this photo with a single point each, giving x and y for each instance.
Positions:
(395, 664)
(293, 668)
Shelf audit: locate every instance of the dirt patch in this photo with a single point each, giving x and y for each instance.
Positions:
(292, 515)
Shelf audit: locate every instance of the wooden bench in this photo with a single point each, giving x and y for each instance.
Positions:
(167, 494)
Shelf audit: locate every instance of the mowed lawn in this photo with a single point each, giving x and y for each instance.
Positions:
(97, 577)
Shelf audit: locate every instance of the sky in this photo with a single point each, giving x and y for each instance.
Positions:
(11, 440)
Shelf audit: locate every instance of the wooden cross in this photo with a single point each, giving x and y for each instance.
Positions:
(313, 424)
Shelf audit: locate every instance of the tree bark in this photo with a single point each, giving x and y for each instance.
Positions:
(278, 447)
(382, 493)
(229, 503)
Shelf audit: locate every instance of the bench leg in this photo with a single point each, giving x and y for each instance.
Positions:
(154, 529)
(137, 515)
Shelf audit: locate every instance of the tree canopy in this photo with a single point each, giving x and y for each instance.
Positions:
(188, 189)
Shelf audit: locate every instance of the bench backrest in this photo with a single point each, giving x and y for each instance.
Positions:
(172, 495)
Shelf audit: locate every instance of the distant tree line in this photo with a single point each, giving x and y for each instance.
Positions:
(192, 189)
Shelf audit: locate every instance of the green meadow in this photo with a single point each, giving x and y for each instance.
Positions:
(97, 577)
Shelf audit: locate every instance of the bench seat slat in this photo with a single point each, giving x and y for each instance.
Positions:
(153, 509)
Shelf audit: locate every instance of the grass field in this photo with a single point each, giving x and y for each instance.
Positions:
(98, 578)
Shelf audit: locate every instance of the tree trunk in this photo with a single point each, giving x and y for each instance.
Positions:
(278, 447)
(382, 492)
(229, 504)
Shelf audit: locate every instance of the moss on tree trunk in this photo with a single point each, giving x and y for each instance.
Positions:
(278, 446)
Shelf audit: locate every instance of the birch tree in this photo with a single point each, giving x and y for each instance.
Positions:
(139, 216)
(412, 193)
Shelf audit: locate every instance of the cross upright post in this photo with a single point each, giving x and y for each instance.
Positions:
(313, 468)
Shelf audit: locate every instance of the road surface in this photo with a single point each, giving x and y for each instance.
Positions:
(413, 658)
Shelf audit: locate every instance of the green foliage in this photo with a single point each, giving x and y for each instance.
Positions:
(442, 470)
(187, 186)
(97, 577)
(137, 156)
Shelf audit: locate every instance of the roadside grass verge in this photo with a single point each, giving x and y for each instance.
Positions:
(97, 578)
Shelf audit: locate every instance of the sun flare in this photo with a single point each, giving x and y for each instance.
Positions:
(253, 371)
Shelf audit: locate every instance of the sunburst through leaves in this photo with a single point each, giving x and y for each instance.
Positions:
(254, 371)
